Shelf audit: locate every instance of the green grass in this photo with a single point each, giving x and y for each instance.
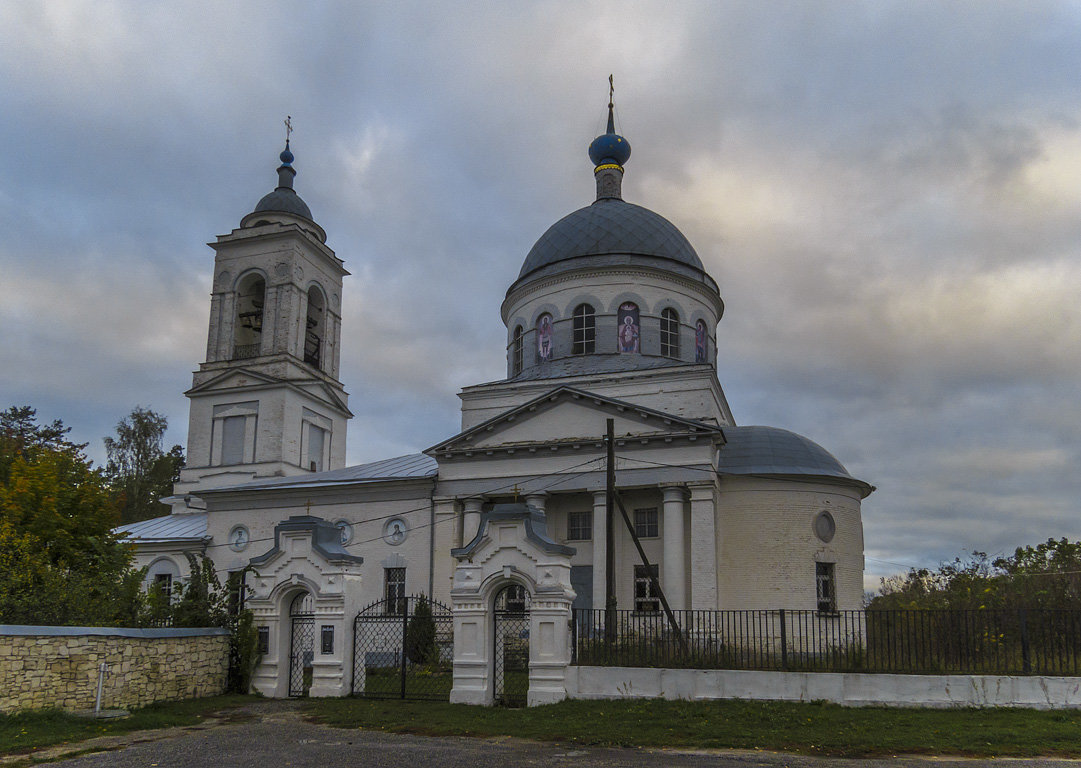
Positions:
(26, 731)
(817, 728)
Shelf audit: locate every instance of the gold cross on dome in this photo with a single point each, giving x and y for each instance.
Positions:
(288, 127)
(611, 90)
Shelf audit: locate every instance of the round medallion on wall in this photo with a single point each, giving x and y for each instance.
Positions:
(824, 526)
(346, 529)
(395, 531)
(239, 538)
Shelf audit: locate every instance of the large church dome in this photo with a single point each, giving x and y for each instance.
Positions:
(607, 227)
(612, 287)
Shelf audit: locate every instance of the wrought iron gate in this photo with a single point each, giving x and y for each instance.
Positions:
(302, 646)
(403, 648)
(511, 647)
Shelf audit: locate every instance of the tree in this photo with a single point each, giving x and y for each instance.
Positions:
(21, 435)
(139, 470)
(1046, 575)
(420, 647)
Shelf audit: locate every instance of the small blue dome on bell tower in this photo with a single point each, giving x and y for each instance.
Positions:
(286, 156)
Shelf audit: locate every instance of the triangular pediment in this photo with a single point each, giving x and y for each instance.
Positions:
(236, 379)
(569, 415)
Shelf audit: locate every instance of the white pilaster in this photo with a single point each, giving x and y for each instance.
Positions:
(674, 576)
(703, 548)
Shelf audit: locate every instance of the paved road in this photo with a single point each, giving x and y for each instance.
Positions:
(275, 735)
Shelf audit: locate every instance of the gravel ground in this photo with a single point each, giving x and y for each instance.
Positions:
(273, 733)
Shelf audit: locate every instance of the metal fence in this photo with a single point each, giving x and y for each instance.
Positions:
(1003, 642)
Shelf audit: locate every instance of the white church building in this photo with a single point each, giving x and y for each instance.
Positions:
(611, 317)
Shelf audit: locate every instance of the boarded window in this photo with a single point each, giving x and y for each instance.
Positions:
(232, 439)
(317, 437)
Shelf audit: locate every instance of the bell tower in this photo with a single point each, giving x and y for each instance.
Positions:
(267, 401)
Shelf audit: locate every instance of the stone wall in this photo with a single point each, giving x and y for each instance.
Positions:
(58, 666)
(845, 688)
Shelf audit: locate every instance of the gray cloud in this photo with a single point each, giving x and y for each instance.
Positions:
(888, 194)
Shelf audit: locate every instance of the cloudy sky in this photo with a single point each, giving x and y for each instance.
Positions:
(888, 193)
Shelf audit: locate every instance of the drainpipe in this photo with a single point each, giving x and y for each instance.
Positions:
(431, 543)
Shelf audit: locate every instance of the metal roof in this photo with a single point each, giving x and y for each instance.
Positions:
(610, 226)
(284, 201)
(773, 451)
(414, 465)
(191, 527)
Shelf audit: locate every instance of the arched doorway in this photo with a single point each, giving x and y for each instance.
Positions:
(302, 646)
(511, 656)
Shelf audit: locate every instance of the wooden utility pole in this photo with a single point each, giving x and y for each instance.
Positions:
(609, 539)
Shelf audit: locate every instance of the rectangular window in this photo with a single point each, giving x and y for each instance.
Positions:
(395, 590)
(264, 639)
(826, 587)
(580, 526)
(645, 600)
(164, 582)
(316, 441)
(232, 439)
(326, 639)
(645, 523)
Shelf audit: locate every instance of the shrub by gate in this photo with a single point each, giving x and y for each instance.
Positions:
(403, 648)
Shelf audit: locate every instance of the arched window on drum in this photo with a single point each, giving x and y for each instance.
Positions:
(670, 333)
(516, 351)
(584, 340)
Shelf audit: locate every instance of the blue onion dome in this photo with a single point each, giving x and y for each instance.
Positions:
(286, 156)
(610, 148)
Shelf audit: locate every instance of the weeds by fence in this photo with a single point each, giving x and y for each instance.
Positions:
(1003, 642)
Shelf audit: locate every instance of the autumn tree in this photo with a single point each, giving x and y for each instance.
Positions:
(60, 562)
(138, 468)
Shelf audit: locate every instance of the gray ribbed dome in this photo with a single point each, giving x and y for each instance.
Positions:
(284, 200)
(773, 451)
(610, 226)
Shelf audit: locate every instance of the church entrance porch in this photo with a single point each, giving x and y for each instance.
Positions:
(302, 646)
(403, 648)
(510, 671)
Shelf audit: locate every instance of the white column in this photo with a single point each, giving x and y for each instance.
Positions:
(599, 544)
(674, 577)
(470, 519)
(703, 549)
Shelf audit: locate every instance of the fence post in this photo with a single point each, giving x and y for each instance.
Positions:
(1026, 659)
(784, 644)
(405, 640)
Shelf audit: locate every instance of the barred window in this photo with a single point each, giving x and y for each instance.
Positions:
(516, 351)
(826, 587)
(645, 600)
(395, 590)
(645, 523)
(585, 330)
(580, 526)
(670, 333)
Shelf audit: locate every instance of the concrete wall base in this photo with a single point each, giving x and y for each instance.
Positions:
(848, 689)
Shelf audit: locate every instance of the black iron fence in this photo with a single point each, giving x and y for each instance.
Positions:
(1002, 642)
